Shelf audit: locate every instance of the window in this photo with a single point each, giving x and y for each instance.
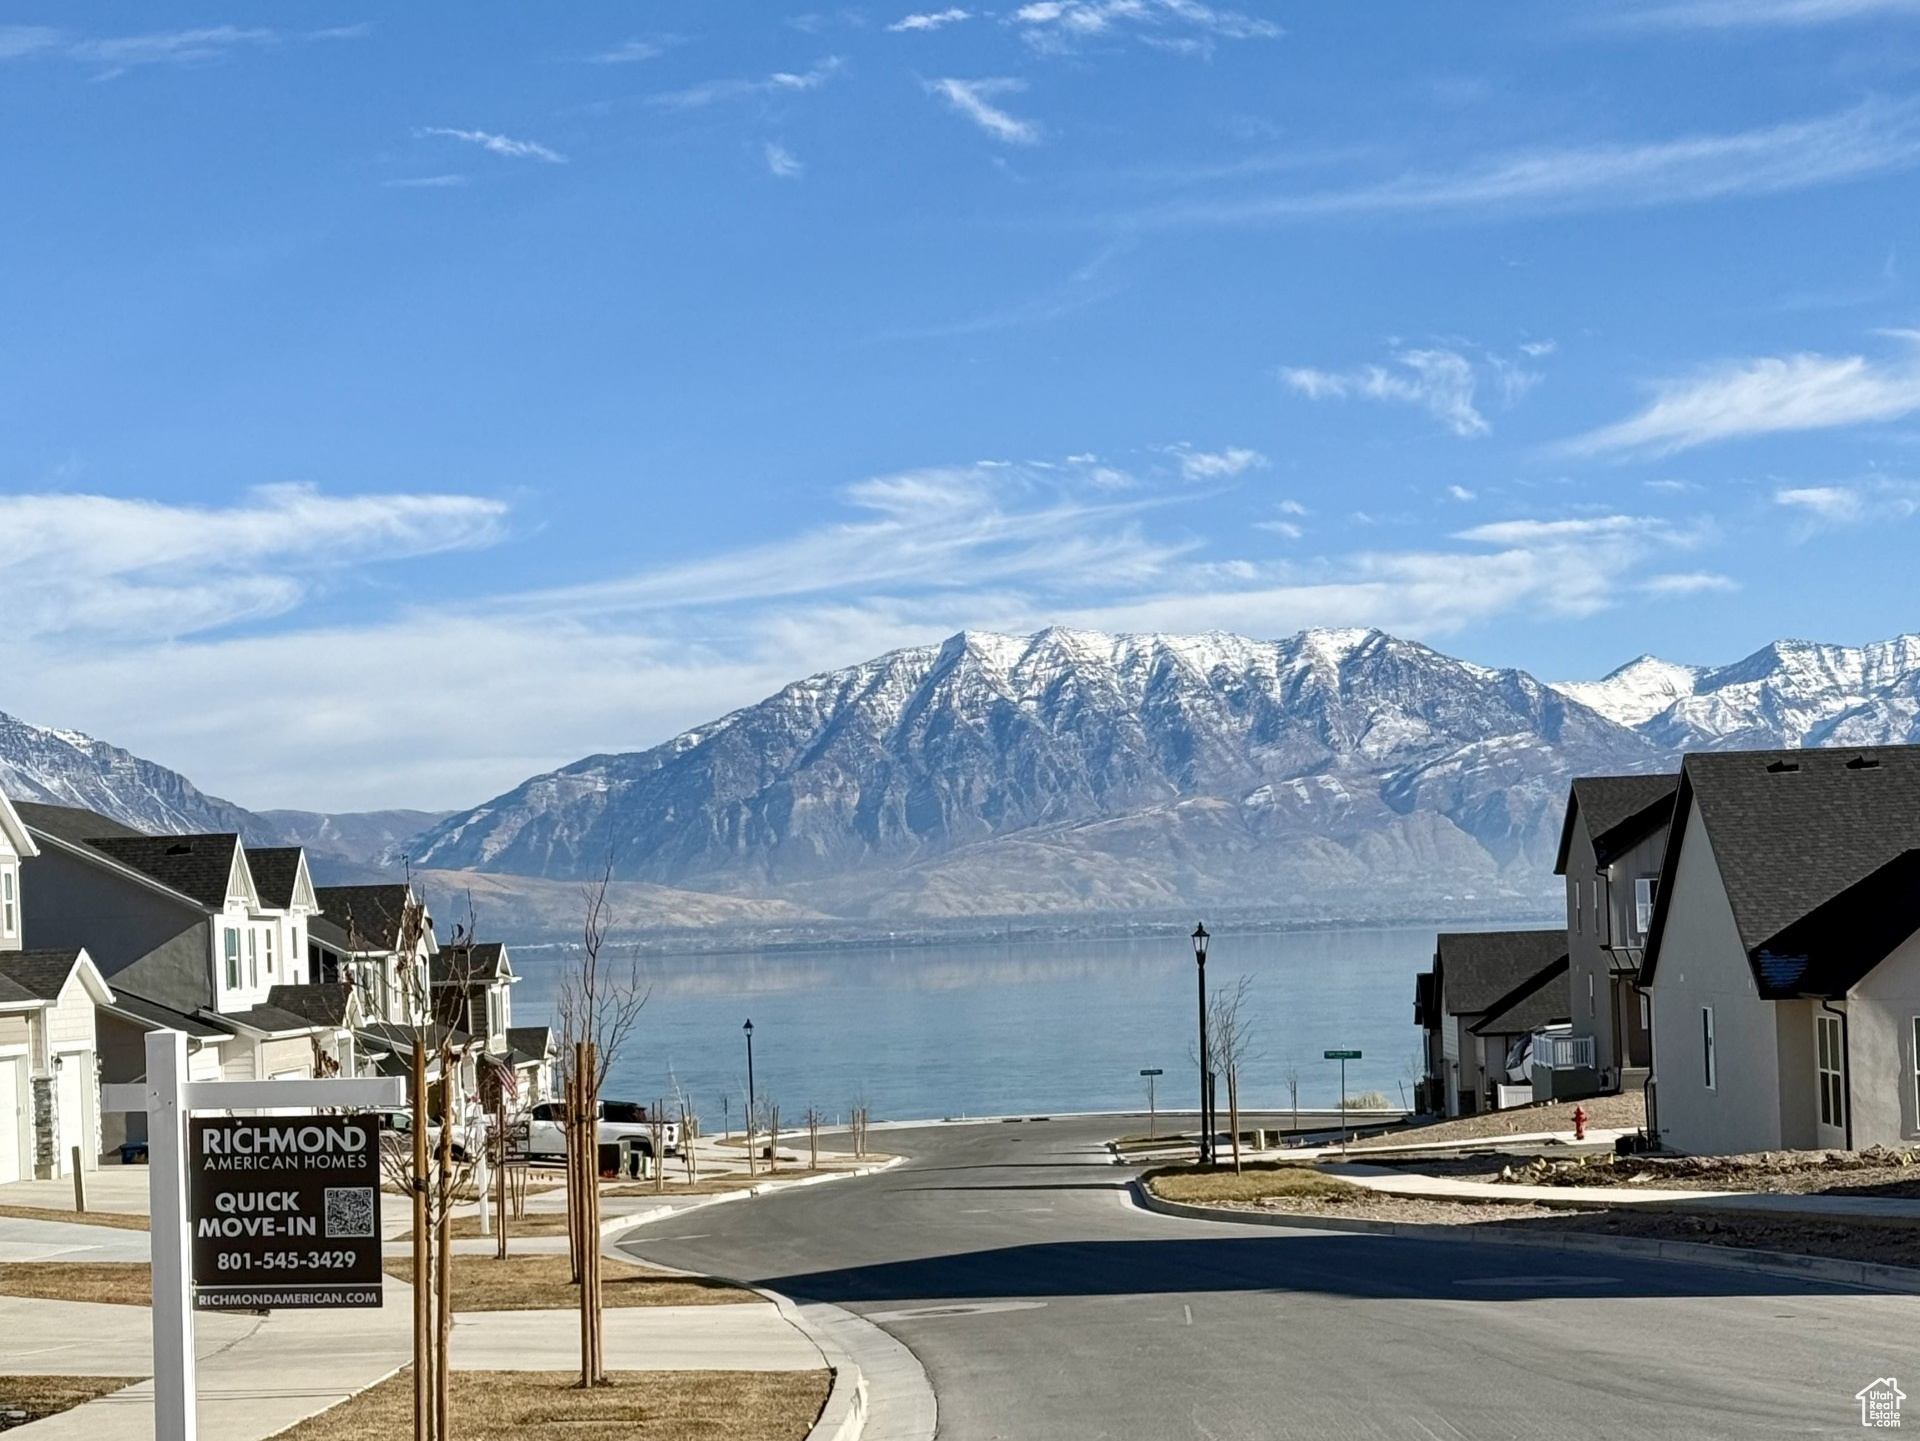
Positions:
(267, 939)
(233, 959)
(1832, 1075)
(1590, 1000)
(1706, 1046)
(1599, 902)
(253, 957)
(9, 917)
(1579, 910)
(1643, 905)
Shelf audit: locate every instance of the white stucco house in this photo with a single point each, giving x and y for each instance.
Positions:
(1783, 960)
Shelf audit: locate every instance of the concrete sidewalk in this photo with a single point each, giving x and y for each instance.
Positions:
(66, 1241)
(1776, 1204)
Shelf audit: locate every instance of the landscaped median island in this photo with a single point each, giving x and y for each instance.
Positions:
(549, 1405)
(34, 1398)
(1299, 1189)
(545, 1283)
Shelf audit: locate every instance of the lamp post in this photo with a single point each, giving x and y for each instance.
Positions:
(748, 1028)
(1200, 939)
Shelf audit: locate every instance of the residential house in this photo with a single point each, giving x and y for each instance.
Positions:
(49, 1067)
(473, 992)
(187, 936)
(1783, 959)
(1487, 990)
(379, 940)
(1611, 846)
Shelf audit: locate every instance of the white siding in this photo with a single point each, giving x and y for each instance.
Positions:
(1702, 965)
(1880, 1013)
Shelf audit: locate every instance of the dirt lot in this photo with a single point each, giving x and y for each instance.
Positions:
(1266, 1181)
(1623, 1112)
(549, 1405)
(1887, 1245)
(1804, 1173)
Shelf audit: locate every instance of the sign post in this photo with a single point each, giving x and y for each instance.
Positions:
(269, 1241)
(1342, 1057)
(1150, 1073)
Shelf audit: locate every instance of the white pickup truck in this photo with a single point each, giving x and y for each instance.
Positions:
(546, 1136)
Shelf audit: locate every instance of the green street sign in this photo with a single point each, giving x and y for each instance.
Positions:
(1156, 1071)
(1341, 1056)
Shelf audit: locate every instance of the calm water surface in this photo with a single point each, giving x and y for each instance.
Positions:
(930, 1031)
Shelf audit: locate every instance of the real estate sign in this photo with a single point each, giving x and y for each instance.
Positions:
(284, 1211)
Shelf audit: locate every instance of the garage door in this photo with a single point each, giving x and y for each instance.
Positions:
(10, 1120)
(73, 1110)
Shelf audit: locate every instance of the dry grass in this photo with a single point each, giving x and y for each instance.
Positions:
(549, 1405)
(113, 1283)
(119, 1220)
(725, 1181)
(43, 1396)
(542, 1283)
(1205, 1185)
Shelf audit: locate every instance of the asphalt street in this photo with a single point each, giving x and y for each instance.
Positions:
(1044, 1305)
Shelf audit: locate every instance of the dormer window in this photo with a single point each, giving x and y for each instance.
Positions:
(1643, 904)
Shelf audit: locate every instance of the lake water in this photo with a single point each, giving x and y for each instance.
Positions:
(1029, 1026)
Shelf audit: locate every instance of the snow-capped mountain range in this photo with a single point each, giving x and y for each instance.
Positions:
(1337, 774)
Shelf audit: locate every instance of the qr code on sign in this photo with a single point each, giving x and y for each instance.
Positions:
(349, 1212)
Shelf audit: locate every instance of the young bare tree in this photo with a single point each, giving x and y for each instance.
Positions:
(598, 1005)
(1290, 1073)
(1230, 1040)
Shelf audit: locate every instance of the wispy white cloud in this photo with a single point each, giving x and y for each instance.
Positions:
(1835, 507)
(781, 82)
(974, 99)
(1441, 381)
(931, 20)
(496, 144)
(137, 570)
(629, 52)
(116, 54)
(1184, 26)
(1460, 493)
(1215, 464)
(1678, 584)
(1873, 138)
(1750, 14)
(1763, 396)
(426, 182)
(782, 163)
(1089, 283)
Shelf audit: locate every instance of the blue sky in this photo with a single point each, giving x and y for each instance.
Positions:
(398, 401)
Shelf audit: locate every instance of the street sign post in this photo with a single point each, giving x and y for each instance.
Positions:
(1342, 1057)
(285, 1211)
(1150, 1073)
(168, 1098)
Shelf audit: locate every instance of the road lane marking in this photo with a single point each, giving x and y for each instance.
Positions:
(1189, 1311)
(978, 1308)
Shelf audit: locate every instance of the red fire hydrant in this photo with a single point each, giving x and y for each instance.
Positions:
(1579, 1123)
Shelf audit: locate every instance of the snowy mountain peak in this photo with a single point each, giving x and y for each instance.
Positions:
(1636, 692)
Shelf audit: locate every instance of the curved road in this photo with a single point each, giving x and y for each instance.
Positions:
(1045, 1305)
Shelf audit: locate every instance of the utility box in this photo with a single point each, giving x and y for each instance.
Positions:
(613, 1159)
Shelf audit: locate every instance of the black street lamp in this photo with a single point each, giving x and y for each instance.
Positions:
(748, 1028)
(1200, 939)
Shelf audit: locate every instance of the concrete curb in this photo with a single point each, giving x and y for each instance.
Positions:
(616, 1225)
(1867, 1275)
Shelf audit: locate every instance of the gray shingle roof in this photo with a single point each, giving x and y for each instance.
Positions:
(275, 869)
(198, 867)
(38, 975)
(75, 824)
(469, 965)
(271, 1019)
(1543, 1000)
(1478, 969)
(530, 1041)
(156, 1014)
(1617, 811)
(322, 1003)
(1792, 830)
(371, 914)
